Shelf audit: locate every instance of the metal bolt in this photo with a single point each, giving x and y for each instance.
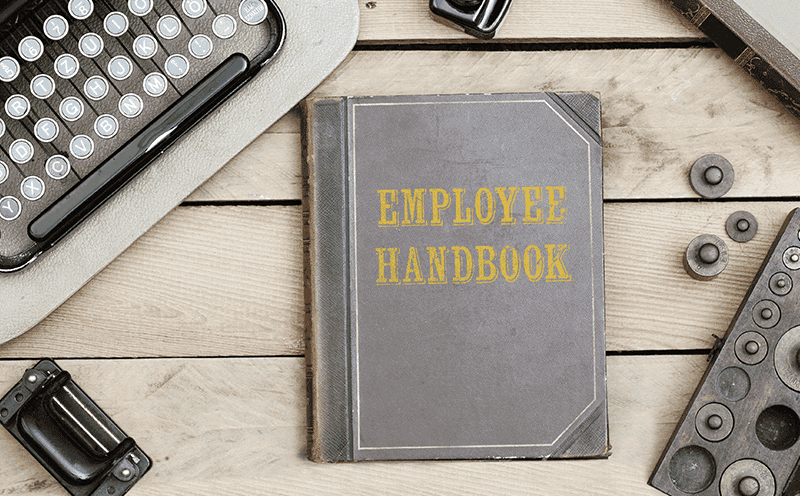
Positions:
(766, 314)
(749, 486)
(714, 422)
(751, 347)
(126, 472)
(709, 253)
(713, 175)
(31, 378)
(743, 225)
(781, 283)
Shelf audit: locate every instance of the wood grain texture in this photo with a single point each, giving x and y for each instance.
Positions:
(237, 426)
(662, 110)
(227, 281)
(409, 21)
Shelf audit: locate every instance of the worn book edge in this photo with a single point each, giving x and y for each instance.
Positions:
(327, 343)
(754, 60)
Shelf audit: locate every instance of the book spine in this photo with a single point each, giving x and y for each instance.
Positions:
(326, 279)
(757, 66)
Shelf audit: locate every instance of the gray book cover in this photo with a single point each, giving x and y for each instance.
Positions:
(454, 277)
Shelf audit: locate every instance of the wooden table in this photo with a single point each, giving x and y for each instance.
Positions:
(193, 339)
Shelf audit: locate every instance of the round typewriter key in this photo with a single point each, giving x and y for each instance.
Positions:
(56, 27)
(766, 314)
(106, 126)
(31, 48)
(177, 66)
(714, 422)
(42, 86)
(131, 105)
(786, 360)
(120, 68)
(780, 284)
(17, 107)
(778, 428)
(57, 167)
(201, 46)
(168, 27)
(96, 88)
(32, 188)
(224, 26)
(194, 8)
(21, 151)
(81, 147)
(46, 130)
(791, 258)
(10, 208)
(80, 9)
(140, 7)
(66, 66)
(692, 469)
(71, 109)
(751, 348)
(747, 477)
(3, 172)
(90, 45)
(9, 69)
(116, 24)
(145, 46)
(733, 383)
(253, 12)
(155, 84)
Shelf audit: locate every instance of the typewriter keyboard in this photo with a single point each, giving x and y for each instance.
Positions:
(92, 90)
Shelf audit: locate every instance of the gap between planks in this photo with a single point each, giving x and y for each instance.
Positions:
(227, 281)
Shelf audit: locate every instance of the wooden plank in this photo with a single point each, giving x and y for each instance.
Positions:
(405, 21)
(237, 426)
(227, 281)
(268, 169)
(662, 110)
(204, 281)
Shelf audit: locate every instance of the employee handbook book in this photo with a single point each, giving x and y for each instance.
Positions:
(761, 36)
(454, 277)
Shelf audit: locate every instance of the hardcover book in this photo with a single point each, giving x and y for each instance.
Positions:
(763, 37)
(454, 277)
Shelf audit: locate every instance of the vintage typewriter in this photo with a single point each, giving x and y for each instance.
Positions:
(94, 90)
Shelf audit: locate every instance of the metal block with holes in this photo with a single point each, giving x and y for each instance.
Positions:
(740, 434)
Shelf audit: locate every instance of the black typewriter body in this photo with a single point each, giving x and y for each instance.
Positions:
(92, 91)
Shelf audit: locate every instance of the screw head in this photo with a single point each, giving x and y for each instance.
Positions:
(751, 347)
(714, 422)
(709, 253)
(749, 486)
(713, 175)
